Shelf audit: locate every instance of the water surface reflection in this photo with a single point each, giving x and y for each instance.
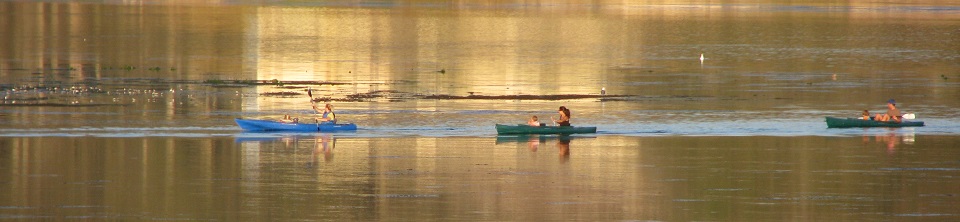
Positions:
(534, 142)
(320, 145)
(890, 140)
(124, 111)
(199, 66)
(289, 177)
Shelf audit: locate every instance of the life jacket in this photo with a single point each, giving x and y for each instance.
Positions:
(332, 116)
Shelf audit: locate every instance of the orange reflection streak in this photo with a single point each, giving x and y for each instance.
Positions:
(533, 143)
(324, 145)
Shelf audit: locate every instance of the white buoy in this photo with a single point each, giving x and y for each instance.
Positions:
(701, 57)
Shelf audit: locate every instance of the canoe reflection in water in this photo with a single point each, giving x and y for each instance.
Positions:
(563, 146)
(534, 142)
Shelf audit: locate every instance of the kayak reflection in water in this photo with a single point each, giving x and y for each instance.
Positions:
(564, 119)
(890, 140)
(324, 145)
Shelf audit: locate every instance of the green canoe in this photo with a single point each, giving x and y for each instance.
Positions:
(833, 122)
(526, 129)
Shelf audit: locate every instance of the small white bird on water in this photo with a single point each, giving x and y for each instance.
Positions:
(701, 57)
(603, 90)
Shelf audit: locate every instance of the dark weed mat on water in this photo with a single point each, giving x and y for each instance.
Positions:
(57, 94)
(392, 95)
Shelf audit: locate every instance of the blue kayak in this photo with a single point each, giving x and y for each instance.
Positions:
(269, 125)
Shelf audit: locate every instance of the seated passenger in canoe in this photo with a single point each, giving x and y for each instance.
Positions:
(533, 121)
(287, 119)
(892, 115)
(866, 115)
(564, 119)
(328, 115)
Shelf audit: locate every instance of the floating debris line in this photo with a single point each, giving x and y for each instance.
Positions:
(125, 91)
(393, 95)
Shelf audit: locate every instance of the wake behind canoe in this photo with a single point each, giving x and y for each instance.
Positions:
(833, 122)
(526, 129)
(269, 125)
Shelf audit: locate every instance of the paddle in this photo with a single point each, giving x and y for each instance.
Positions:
(310, 93)
(909, 116)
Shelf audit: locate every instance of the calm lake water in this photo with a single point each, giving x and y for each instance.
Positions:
(124, 110)
(328, 177)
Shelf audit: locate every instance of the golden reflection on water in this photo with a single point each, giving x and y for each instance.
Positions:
(584, 178)
(759, 63)
(762, 53)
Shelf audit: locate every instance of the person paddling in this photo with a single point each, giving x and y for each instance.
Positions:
(892, 115)
(564, 117)
(328, 115)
